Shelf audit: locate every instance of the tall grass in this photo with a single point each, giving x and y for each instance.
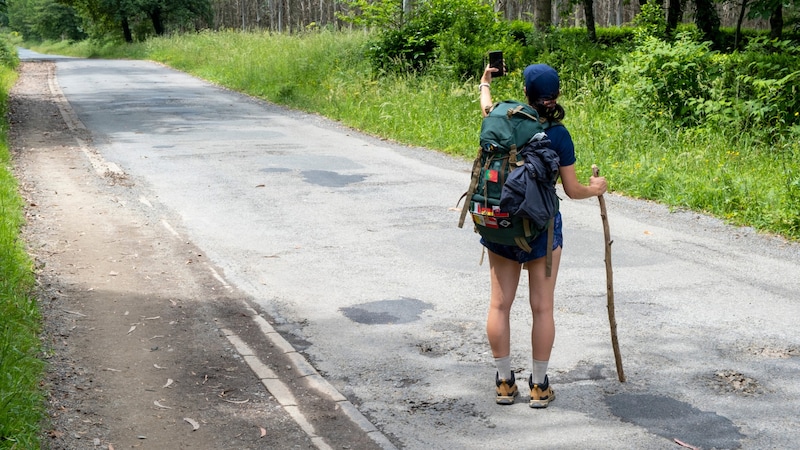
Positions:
(749, 177)
(21, 401)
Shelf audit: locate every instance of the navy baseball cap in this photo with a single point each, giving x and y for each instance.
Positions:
(541, 82)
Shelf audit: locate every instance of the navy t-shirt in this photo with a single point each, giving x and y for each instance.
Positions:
(561, 142)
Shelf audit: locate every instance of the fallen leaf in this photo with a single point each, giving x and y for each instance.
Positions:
(155, 402)
(263, 431)
(684, 444)
(195, 425)
(169, 382)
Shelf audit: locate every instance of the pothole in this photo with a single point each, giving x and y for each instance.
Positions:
(774, 352)
(382, 312)
(328, 178)
(731, 381)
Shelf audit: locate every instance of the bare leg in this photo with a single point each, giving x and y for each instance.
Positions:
(542, 292)
(505, 279)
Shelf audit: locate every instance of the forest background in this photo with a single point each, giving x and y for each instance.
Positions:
(692, 103)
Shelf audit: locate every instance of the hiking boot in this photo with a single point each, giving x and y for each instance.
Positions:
(506, 390)
(541, 394)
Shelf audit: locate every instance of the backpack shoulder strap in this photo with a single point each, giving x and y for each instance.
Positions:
(520, 109)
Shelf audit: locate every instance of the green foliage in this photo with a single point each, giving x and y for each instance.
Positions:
(651, 21)
(57, 21)
(658, 79)
(770, 82)
(102, 20)
(8, 58)
(44, 19)
(617, 36)
(519, 30)
(21, 401)
(454, 34)
(373, 14)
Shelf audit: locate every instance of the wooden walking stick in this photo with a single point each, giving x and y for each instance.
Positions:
(610, 282)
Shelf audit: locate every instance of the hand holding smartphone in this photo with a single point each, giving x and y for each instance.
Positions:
(496, 61)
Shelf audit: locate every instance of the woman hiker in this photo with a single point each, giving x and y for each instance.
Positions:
(542, 88)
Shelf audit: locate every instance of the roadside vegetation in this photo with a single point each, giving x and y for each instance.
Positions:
(21, 401)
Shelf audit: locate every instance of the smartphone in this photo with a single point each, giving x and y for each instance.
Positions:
(496, 61)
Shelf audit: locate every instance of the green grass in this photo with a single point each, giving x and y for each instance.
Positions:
(21, 400)
(748, 177)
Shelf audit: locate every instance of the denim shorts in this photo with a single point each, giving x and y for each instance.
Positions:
(538, 246)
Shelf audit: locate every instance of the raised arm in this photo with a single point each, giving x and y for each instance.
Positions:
(486, 92)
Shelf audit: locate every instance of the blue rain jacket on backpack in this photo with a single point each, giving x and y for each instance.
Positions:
(530, 190)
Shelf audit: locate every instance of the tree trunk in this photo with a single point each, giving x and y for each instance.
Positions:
(280, 16)
(407, 7)
(158, 21)
(542, 14)
(737, 37)
(674, 15)
(707, 20)
(588, 11)
(126, 30)
(776, 23)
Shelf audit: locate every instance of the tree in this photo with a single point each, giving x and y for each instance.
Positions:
(55, 21)
(44, 19)
(707, 20)
(738, 34)
(119, 18)
(776, 22)
(588, 10)
(772, 9)
(674, 15)
(543, 15)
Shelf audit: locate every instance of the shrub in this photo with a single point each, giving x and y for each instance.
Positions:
(661, 78)
(455, 34)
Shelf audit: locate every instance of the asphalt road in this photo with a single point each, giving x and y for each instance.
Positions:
(350, 244)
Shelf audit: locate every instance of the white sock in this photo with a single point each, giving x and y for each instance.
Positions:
(503, 367)
(539, 371)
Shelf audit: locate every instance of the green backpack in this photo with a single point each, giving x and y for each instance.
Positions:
(505, 131)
